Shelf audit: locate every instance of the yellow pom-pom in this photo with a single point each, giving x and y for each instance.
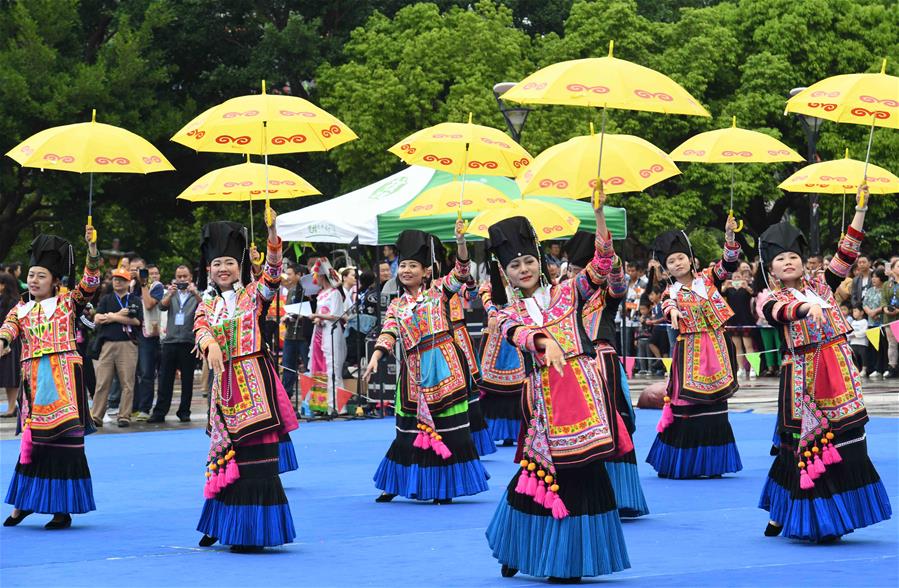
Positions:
(807, 453)
(824, 441)
(815, 450)
(28, 421)
(208, 474)
(213, 467)
(801, 464)
(548, 479)
(532, 466)
(554, 487)
(829, 435)
(523, 463)
(438, 437)
(420, 426)
(220, 461)
(667, 399)
(540, 473)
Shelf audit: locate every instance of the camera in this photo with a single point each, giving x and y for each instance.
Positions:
(181, 285)
(133, 310)
(143, 274)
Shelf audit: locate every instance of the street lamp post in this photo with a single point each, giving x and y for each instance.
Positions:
(812, 127)
(515, 116)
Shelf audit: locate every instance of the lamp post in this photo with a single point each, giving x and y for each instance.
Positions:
(515, 116)
(812, 127)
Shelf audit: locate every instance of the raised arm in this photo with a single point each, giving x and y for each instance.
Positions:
(598, 272)
(270, 281)
(848, 249)
(453, 282)
(87, 288)
(730, 258)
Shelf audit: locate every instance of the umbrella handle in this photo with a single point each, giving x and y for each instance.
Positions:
(739, 221)
(90, 223)
(467, 223)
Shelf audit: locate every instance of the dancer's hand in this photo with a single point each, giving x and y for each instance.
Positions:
(816, 314)
(271, 221)
(215, 358)
(675, 319)
(554, 356)
(730, 228)
(372, 367)
(491, 324)
(4, 348)
(90, 237)
(861, 197)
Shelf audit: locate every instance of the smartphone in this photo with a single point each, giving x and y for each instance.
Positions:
(737, 283)
(143, 273)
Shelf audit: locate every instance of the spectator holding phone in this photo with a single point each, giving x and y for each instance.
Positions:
(147, 287)
(180, 301)
(738, 293)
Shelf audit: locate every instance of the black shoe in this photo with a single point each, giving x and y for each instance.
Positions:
(156, 419)
(385, 497)
(12, 521)
(661, 475)
(184, 419)
(9, 415)
(508, 443)
(508, 571)
(772, 530)
(555, 580)
(124, 423)
(828, 539)
(247, 549)
(443, 501)
(59, 523)
(208, 541)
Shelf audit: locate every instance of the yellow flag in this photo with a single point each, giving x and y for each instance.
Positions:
(667, 363)
(874, 337)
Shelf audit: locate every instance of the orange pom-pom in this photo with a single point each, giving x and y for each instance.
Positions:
(829, 435)
(666, 399)
(807, 453)
(28, 421)
(801, 464)
(532, 466)
(540, 473)
(523, 463)
(220, 461)
(554, 487)
(815, 450)
(213, 467)
(548, 479)
(208, 474)
(824, 441)
(438, 437)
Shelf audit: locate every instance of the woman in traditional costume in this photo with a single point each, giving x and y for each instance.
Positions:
(249, 410)
(599, 321)
(695, 438)
(502, 375)
(328, 347)
(433, 456)
(52, 475)
(822, 485)
(558, 516)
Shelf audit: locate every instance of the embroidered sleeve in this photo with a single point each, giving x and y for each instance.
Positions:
(89, 284)
(617, 281)
(390, 330)
(518, 334)
(782, 312)
(453, 282)
(728, 264)
(271, 272)
(202, 331)
(847, 253)
(487, 299)
(10, 328)
(668, 303)
(596, 274)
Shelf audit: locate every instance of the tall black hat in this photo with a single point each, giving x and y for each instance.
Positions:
(511, 238)
(53, 253)
(223, 239)
(581, 248)
(669, 243)
(418, 246)
(780, 238)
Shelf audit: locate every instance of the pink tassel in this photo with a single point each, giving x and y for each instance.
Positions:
(426, 441)
(826, 456)
(550, 499)
(819, 466)
(834, 454)
(232, 473)
(532, 485)
(522, 482)
(441, 449)
(26, 447)
(805, 481)
(419, 440)
(540, 494)
(559, 510)
(667, 418)
(207, 490)
(812, 469)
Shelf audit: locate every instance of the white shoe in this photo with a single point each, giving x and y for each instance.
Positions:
(752, 375)
(873, 375)
(112, 412)
(108, 419)
(141, 417)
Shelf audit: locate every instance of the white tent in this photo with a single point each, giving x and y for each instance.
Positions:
(341, 219)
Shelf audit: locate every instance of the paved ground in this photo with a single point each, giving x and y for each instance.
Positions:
(759, 395)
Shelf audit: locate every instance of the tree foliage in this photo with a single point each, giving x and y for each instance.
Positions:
(390, 67)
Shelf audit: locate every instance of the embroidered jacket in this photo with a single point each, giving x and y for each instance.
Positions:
(595, 320)
(239, 334)
(43, 335)
(411, 319)
(702, 306)
(782, 305)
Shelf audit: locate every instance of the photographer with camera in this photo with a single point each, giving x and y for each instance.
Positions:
(118, 319)
(145, 286)
(181, 300)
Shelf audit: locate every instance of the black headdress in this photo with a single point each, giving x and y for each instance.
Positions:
(418, 246)
(510, 238)
(55, 254)
(669, 243)
(780, 238)
(581, 248)
(223, 239)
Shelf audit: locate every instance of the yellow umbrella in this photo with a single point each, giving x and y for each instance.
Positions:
(866, 98)
(568, 170)
(549, 221)
(87, 148)
(480, 195)
(460, 148)
(841, 176)
(733, 145)
(246, 182)
(264, 124)
(605, 82)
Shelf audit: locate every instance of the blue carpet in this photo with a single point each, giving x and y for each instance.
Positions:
(148, 489)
